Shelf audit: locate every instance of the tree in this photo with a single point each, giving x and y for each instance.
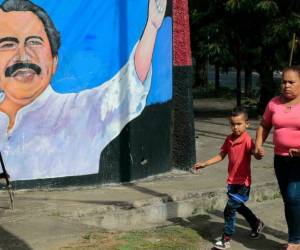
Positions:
(249, 35)
(278, 28)
(207, 36)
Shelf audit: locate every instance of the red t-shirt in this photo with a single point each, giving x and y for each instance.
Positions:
(239, 158)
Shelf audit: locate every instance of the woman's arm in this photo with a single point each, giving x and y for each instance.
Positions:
(262, 133)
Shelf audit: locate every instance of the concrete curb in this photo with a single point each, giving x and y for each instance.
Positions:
(156, 211)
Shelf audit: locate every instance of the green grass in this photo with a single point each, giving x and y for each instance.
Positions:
(174, 237)
(163, 238)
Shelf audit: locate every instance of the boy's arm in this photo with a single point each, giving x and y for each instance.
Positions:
(219, 157)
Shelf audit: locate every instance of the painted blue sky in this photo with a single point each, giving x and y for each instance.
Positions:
(97, 38)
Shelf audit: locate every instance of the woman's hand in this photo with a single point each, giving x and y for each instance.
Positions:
(294, 152)
(259, 152)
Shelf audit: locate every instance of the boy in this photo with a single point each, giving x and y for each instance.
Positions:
(238, 146)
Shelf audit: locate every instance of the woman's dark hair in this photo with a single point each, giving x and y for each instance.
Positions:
(295, 68)
(26, 5)
(239, 111)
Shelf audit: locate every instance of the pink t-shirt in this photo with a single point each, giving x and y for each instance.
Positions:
(286, 122)
(239, 157)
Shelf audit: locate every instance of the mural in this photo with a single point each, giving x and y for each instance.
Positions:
(61, 105)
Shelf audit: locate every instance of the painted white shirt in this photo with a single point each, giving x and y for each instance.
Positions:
(64, 134)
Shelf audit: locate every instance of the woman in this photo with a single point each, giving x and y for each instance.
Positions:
(283, 113)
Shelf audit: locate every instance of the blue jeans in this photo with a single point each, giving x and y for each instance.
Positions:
(237, 196)
(287, 170)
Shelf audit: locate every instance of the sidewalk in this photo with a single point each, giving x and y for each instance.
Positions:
(45, 219)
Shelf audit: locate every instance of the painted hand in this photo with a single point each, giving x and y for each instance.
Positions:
(157, 9)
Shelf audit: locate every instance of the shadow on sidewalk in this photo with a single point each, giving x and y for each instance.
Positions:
(149, 191)
(10, 241)
(121, 204)
(209, 229)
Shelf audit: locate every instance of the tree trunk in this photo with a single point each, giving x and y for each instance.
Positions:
(201, 78)
(217, 77)
(238, 85)
(238, 75)
(248, 82)
(267, 87)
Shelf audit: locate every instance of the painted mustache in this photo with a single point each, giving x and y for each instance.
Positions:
(13, 68)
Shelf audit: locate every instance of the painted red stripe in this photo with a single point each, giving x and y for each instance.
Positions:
(181, 34)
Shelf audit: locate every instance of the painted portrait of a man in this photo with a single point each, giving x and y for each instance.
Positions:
(46, 133)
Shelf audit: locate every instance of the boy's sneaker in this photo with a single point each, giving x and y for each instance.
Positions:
(255, 233)
(223, 243)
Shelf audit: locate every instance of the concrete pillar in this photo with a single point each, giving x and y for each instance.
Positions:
(183, 146)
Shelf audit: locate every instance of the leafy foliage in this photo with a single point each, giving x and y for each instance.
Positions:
(246, 34)
(268, 8)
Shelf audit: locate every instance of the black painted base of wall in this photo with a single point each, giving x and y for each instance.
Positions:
(142, 149)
